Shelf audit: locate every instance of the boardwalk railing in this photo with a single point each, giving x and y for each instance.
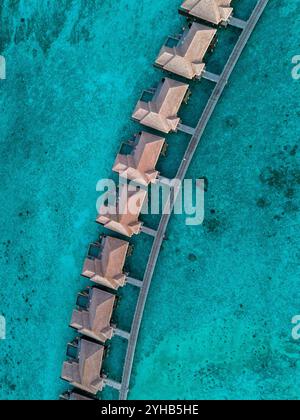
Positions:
(159, 236)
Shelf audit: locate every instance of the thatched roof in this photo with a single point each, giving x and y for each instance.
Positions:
(161, 112)
(140, 165)
(84, 373)
(107, 269)
(95, 321)
(186, 59)
(214, 11)
(124, 217)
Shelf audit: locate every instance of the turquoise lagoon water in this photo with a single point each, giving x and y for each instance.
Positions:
(218, 319)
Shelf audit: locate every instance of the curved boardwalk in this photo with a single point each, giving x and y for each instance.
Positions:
(238, 49)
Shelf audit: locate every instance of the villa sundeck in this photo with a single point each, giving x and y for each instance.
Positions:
(158, 107)
(123, 215)
(83, 370)
(94, 318)
(105, 262)
(184, 56)
(214, 11)
(139, 166)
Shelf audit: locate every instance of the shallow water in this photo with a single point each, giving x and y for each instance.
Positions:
(216, 326)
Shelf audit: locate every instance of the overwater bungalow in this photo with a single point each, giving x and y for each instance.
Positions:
(184, 55)
(123, 216)
(93, 316)
(139, 165)
(105, 262)
(158, 108)
(83, 369)
(213, 11)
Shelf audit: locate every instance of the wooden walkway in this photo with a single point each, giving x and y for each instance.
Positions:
(121, 333)
(134, 282)
(160, 233)
(112, 384)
